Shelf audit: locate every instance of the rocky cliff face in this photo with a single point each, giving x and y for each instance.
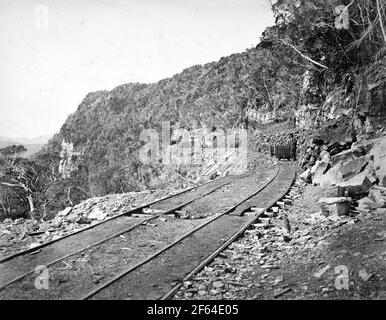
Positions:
(262, 116)
(336, 105)
(68, 160)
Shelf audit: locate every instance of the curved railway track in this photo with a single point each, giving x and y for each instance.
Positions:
(20, 264)
(285, 185)
(154, 274)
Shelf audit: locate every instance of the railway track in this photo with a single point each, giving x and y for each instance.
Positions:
(156, 276)
(20, 264)
(151, 274)
(285, 185)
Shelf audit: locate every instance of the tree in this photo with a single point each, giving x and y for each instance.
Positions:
(12, 150)
(21, 175)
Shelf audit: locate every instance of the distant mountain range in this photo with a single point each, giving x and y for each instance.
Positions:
(31, 144)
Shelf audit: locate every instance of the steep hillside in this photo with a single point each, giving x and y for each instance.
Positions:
(104, 133)
(323, 61)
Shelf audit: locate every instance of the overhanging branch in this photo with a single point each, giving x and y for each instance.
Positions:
(380, 20)
(304, 56)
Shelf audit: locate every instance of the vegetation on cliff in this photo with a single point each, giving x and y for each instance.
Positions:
(335, 45)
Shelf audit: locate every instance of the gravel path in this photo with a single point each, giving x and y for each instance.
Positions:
(322, 258)
(156, 277)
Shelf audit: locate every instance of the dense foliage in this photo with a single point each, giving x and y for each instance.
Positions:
(21, 184)
(343, 42)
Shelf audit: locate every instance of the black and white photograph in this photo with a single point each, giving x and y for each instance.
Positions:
(193, 154)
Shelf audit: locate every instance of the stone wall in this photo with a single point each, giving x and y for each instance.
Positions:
(264, 116)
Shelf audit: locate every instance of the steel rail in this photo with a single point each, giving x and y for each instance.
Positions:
(132, 211)
(156, 254)
(169, 211)
(236, 236)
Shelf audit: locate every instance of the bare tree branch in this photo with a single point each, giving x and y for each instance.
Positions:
(28, 190)
(380, 20)
(304, 56)
(11, 185)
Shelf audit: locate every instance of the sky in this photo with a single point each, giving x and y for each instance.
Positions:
(53, 52)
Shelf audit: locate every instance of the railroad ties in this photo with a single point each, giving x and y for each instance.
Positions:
(17, 266)
(156, 273)
(160, 276)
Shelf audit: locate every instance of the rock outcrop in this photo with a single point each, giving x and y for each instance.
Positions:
(357, 186)
(378, 195)
(313, 114)
(378, 151)
(339, 206)
(68, 156)
(358, 173)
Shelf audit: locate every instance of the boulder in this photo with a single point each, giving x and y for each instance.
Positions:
(365, 204)
(306, 175)
(319, 170)
(369, 128)
(65, 212)
(334, 145)
(365, 145)
(312, 161)
(323, 153)
(83, 220)
(339, 206)
(379, 153)
(325, 156)
(72, 217)
(356, 186)
(329, 192)
(57, 221)
(4, 243)
(97, 214)
(19, 221)
(370, 172)
(353, 167)
(378, 195)
(347, 155)
(331, 177)
(337, 147)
